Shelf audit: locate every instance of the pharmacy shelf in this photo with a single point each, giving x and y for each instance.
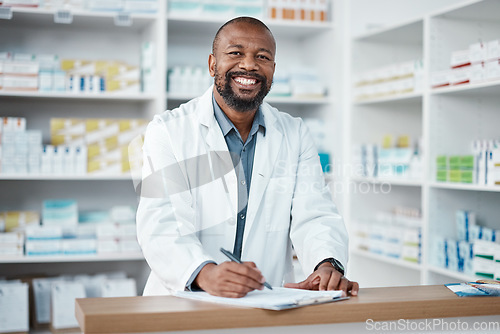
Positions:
(280, 28)
(464, 186)
(471, 10)
(73, 258)
(38, 177)
(406, 98)
(137, 97)
(271, 99)
(44, 18)
(453, 274)
(392, 182)
(410, 30)
(386, 259)
(490, 88)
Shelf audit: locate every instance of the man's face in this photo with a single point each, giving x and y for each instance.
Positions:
(243, 65)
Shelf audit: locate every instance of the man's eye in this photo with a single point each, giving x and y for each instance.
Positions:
(235, 53)
(263, 57)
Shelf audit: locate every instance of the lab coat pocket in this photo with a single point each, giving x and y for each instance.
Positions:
(278, 203)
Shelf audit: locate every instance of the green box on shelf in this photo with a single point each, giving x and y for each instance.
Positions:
(455, 176)
(467, 162)
(454, 162)
(442, 175)
(466, 176)
(442, 162)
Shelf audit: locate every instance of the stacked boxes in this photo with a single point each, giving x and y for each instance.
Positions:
(216, 8)
(396, 235)
(456, 169)
(12, 244)
(47, 73)
(120, 235)
(65, 232)
(391, 80)
(482, 167)
(129, 6)
(106, 141)
(479, 63)
(386, 161)
(20, 148)
(188, 80)
(86, 76)
(301, 82)
(12, 221)
(19, 72)
(474, 251)
(299, 10)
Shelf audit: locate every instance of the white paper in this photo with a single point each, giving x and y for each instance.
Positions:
(63, 295)
(119, 288)
(276, 299)
(13, 307)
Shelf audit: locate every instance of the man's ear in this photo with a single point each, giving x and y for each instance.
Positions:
(211, 64)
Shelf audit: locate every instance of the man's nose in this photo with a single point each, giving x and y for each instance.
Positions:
(248, 63)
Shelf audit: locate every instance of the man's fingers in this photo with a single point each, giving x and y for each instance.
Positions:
(245, 270)
(333, 283)
(305, 285)
(343, 284)
(235, 278)
(354, 288)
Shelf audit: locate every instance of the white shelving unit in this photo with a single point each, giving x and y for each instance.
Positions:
(448, 119)
(95, 36)
(178, 41)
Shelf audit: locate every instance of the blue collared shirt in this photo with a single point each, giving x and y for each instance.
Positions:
(240, 152)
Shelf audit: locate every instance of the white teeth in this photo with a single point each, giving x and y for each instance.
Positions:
(245, 81)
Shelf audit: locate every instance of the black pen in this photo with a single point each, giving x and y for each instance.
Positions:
(234, 259)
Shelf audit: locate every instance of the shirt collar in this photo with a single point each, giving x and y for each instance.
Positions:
(226, 125)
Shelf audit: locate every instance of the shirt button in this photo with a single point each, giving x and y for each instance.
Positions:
(243, 182)
(242, 216)
(244, 150)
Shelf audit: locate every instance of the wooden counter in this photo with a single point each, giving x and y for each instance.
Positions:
(167, 313)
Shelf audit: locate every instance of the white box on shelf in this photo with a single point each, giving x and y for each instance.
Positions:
(492, 70)
(460, 58)
(440, 79)
(477, 73)
(460, 75)
(21, 68)
(493, 50)
(478, 53)
(110, 245)
(12, 82)
(484, 267)
(63, 295)
(119, 288)
(43, 247)
(14, 307)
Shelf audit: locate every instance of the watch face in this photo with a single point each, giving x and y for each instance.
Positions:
(338, 264)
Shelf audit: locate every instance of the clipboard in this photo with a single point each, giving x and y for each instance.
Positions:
(277, 299)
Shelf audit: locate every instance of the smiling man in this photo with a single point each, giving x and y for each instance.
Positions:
(237, 173)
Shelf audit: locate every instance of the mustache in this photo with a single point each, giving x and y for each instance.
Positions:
(246, 74)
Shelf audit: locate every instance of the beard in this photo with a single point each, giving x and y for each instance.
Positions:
(234, 101)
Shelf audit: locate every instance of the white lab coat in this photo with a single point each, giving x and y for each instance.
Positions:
(185, 224)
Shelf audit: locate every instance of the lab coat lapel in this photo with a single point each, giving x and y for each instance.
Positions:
(222, 166)
(266, 153)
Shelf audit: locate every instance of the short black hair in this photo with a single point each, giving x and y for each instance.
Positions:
(244, 19)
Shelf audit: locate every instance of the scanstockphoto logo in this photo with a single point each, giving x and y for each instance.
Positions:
(432, 325)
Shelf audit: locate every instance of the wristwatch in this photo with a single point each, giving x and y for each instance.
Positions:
(334, 262)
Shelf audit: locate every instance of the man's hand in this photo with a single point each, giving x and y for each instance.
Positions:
(326, 278)
(230, 279)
